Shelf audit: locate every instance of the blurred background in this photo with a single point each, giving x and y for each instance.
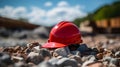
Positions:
(26, 21)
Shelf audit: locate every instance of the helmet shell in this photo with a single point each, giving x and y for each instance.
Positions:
(65, 33)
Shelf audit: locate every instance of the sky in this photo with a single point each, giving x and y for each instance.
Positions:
(49, 12)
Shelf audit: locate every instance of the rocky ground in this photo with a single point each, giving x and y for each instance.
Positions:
(101, 51)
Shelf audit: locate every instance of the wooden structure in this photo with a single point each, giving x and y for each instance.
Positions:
(106, 26)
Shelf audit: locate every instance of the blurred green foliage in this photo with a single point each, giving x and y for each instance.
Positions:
(107, 11)
(80, 20)
(23, 19)
(104, 12)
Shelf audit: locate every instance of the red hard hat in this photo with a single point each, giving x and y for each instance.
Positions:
(64, 33)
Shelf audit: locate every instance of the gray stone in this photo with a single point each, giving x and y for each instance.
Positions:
(89, 57)
(45, 64)
(53, 61)
(5, 58)
(66, 62)
(117, 54)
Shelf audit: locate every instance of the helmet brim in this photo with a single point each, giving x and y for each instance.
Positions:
(53, 45)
